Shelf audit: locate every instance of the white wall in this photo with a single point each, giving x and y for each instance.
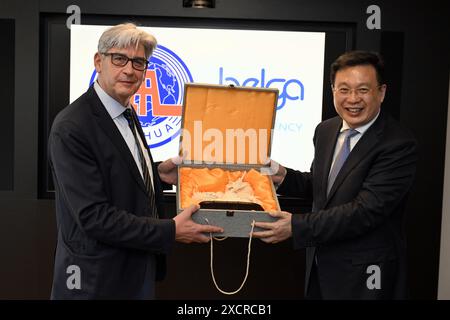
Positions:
(444, 264)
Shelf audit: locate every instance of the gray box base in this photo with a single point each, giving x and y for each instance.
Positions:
(235, 223)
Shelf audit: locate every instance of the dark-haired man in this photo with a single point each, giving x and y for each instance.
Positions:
(363, 169)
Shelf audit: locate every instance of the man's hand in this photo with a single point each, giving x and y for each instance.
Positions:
(276, 231)
(188, 231)
(168, 170)
(276, 172)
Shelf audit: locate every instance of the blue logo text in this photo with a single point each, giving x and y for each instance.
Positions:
(293, 89)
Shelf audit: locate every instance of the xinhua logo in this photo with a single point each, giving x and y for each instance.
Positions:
(158, 102)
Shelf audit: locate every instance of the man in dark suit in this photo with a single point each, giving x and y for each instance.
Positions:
(113, 233)
(363, 169)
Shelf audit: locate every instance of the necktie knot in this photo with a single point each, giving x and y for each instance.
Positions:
(128, 115)
(349, 133)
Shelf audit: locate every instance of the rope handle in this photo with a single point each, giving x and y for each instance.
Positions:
(248, 260)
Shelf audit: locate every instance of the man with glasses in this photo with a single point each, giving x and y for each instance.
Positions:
(363, 169)
(113, 233)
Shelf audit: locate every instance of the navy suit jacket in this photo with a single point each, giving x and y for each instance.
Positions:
(356, 232)
(102, 209)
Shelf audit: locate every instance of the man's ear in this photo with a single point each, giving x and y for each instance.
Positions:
(383, 92)
(98, 62)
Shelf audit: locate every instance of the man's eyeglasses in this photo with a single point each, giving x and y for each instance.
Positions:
(121, 60)
(360, 92)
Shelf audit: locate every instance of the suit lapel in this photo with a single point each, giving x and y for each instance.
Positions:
(364, 145)
(110, 129)
(324, 154)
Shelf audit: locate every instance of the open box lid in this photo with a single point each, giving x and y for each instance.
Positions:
(227, 124)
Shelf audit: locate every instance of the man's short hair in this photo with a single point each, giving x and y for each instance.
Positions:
(124, 36)
(357, 58)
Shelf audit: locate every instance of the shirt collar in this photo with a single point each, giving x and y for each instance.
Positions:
(361, 129)
(113, 107)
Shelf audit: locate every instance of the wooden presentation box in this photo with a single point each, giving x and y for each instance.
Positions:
(226, 140)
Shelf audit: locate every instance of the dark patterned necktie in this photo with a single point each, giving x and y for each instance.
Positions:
(341, 157)
(128, 114)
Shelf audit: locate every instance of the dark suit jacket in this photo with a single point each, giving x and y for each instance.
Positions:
(360, 223)
(102, 209)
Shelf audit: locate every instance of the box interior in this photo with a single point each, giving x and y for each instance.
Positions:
(242, 187)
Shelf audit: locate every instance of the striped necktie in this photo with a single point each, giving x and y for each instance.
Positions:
(132, 122)
(341, 157)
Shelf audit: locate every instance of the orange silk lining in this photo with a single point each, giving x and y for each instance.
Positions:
(215, 180)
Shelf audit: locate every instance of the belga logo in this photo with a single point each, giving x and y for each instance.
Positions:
(158, 101)
(293, 89)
